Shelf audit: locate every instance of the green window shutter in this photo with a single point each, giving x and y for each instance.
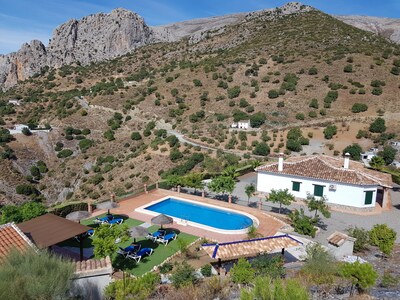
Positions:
(296, 186)
(318, 190)
(368, 197)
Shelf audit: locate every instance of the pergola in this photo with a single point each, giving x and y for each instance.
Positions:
(48, 230)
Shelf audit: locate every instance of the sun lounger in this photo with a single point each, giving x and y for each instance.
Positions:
(155, 235)
(167, 238)
(142, 252)
(105, 219)
(115, 221)
(130, 250)
(89, 233)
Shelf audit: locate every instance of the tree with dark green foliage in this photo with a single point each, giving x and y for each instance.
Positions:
(5, 135)
(234, 92)
(348, 69)
(52, 276)
(175, 154)
(377, 162)
(197, 82)
(183, 275)
(26, 189)
(301, 223)
(64, 153)
(283, 197)
(222, 184)
(261, 149)
(378, 126)
(388, 154)
(267, 265)
(313, 71)
(354, 150)
(314, 103)
(272, 94)
(257, 119)
(109, 135)
(383, 237)
(85, 144)
(35, 172)
(26, 131)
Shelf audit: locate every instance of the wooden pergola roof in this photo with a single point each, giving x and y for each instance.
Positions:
(249, 248)
(49, 229)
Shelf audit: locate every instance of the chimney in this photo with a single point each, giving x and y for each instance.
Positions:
(346, 161)
(280, 162)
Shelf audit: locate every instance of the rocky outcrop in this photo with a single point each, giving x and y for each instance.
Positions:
(386, 27)
(94, 38)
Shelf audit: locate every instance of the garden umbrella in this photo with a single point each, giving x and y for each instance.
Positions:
(107, 205)
(138, 231)
(162, 220)
(78, 215)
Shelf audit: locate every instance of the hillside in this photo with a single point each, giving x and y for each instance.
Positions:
(113, 121)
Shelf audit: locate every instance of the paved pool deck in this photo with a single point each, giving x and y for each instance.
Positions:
(269, 225)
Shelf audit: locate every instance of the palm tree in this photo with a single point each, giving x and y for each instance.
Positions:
(249, 190)
(283, 197)
(230, 171)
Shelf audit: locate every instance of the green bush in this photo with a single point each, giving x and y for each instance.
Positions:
(272, 94)
(354, 150)
(378, 126)
(206, 270)
(330, 131)
(85, 144)
(136, 136)
(65, 153)
(242, 272)
(383, 237)
(261, 149)
(362, 238)
(300, 116)
(314, 103)
(165, 268)
(197, 82)
(302, 224)
(348, 69)
(313, 71)
(359, 107)
(139, 288)
(320, 265)
(234, 92)
(184, 275)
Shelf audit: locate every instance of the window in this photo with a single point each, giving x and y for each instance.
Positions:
(296, 186)
(318, 190)
(368, 197)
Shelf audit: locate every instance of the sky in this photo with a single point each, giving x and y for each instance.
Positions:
(24, 20)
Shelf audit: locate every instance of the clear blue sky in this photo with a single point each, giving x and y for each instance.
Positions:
(24, 20)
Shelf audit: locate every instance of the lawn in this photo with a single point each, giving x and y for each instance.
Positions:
(160, 253)
(87, 242)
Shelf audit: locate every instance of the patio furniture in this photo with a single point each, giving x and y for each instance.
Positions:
(105, 219)
(130, 250)
(115, 221)
(142, 252)
(167, 238)
(155, 235)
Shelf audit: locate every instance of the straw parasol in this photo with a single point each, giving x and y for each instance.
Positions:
(108, 204)
(162, 220)
(77, 216)
(138, 231)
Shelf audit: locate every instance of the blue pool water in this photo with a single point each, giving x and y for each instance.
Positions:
(209, 216)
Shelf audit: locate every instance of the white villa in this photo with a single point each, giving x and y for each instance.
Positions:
(346, 184)
(242, 124)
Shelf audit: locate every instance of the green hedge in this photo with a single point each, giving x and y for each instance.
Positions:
(64, 210)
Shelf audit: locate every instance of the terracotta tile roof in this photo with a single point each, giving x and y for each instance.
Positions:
(338, 238)
(12, 237)
(49, 229)
(249, 248)
(330, 169)
(93, 267)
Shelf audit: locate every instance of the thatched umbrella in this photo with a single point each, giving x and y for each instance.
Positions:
(162, 220)
(77, 216)
(138, 231)
(108, 204)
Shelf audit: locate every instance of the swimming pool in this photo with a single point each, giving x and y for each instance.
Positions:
(206, 216)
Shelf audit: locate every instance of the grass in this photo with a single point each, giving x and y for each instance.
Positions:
(87, 242)
(147, 263)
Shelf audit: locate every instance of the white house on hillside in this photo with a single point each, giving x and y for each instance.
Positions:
(345, 183)
(242, 124)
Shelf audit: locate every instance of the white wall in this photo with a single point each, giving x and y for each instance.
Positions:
(345, 194)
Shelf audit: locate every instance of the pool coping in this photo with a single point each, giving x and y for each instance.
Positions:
(142, 209)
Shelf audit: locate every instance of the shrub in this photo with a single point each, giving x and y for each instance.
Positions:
(136, 136)
(184, 275)
(175, 154)
(362, 238)
(139, 288)
(383, 237)
(348, 69)
(361, 275)
(109, 135)
(206, 270)
(26, 131)
(261, 149)
(272, 94)
(330, 131)
(359, 107)
(388, 154)
(234, 92)
(378, 126)
(266, 265)
(257, 119)
(85, 144)
(314, 103)
(165, 268)
(242, 272)
(65, 153)
(312, 114)
(320, 264)
(197, 82)
(313, 71)
(300, 116)
(302, 224)
(377, 91)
